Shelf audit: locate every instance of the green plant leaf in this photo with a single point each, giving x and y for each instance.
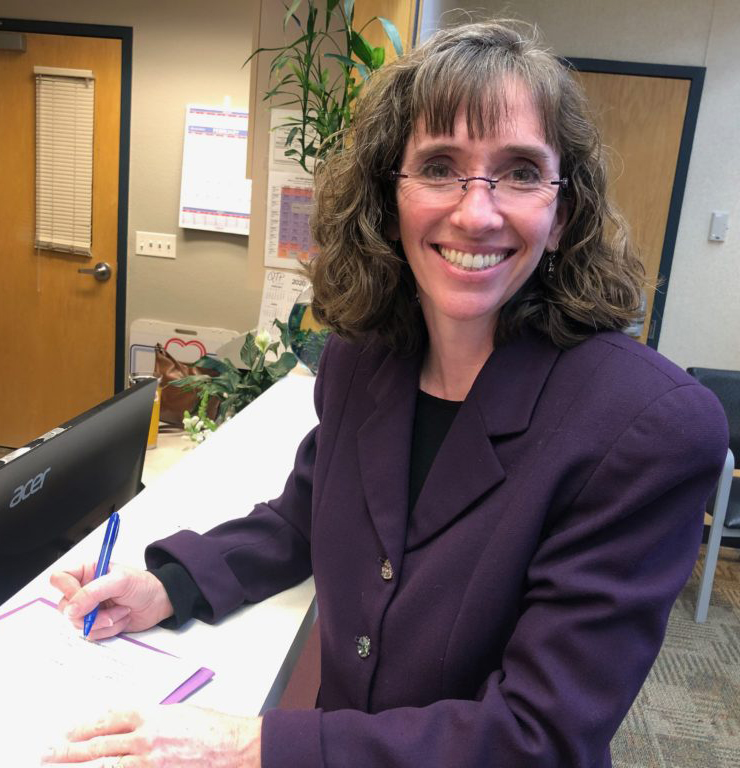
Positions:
(249, 351)
(311, 21)
(291, 13)
(282, 366)
(349, 9)
(291, 135)
(348, 63)
(258, 365)
(191, 382)
(393, 36)
(362, 69)
(216, 363)
(263, 50)
(226, 404)
(378, 57)
(230, 370)
(250, 391)
(361, 48)
(298, 72)
(330, 6)
(284, 332)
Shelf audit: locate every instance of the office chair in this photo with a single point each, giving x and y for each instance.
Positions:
(725, 506)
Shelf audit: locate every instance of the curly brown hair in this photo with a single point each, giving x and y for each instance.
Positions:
(361, 279)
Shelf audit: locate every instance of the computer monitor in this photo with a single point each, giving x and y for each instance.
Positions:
(60, 487)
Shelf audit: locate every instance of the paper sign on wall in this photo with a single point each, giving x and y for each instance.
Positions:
(288, 241)
(214, 194)
(279, 294)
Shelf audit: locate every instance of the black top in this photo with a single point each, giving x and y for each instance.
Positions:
(432, 420)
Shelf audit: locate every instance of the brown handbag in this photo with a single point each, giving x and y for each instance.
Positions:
(175, 400)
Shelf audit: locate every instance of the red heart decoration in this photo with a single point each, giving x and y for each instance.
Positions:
(185, 351)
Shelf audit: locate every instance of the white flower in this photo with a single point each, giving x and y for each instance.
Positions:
(262, 340)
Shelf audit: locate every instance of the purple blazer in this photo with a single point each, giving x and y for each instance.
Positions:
(510, 620)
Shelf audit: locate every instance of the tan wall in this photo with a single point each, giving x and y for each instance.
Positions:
(701, 325)
(184, 51)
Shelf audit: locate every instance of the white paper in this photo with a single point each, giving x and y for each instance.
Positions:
(214, 194)
(53, 679)
(278, 134)
(279, 294)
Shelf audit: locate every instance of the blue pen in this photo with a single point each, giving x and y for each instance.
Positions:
(111, 534)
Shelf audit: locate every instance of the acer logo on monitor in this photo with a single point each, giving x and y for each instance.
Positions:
(22, 492)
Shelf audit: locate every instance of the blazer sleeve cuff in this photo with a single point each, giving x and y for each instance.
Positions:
(291, 738)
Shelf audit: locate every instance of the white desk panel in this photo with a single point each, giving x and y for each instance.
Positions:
(246, 461)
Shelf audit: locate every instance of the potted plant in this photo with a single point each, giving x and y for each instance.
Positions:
(234, 388)
(321, 73)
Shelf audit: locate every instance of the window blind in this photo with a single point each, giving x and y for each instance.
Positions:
(65, 101)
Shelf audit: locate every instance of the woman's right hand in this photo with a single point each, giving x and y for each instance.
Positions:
(130, 600)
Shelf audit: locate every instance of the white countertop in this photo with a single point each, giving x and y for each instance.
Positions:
(246, 461)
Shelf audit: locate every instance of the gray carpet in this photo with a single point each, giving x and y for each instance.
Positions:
(688, 712)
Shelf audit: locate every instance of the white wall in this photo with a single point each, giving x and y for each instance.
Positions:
(183, 51)
(702, 315)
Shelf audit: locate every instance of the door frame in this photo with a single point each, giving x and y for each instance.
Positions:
(695, 76)
(126, 36)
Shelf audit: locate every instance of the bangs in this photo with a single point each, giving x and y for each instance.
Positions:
(480, 82)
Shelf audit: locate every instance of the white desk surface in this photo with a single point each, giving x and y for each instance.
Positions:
(246, 461)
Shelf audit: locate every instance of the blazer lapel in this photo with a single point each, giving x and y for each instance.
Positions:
(500, 402)
(384, 449)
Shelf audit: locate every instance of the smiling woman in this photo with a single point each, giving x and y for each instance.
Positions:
(472, 247)
(502, 492)
(473, 86)
(489, 236)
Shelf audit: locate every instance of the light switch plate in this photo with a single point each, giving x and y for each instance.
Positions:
(718, 226)
(156, 244)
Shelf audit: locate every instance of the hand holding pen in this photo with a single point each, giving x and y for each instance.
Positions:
(125, 599)
(111, 534)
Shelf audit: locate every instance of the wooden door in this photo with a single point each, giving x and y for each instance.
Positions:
(642, 121)
(57, 326)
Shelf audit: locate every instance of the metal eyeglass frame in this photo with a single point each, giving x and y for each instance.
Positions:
(562, 183)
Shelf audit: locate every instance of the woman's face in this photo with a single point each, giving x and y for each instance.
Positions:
(507, 238)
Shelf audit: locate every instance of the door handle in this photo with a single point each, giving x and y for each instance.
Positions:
(101, 271)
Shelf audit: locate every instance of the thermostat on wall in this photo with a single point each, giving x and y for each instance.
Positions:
(718, 226)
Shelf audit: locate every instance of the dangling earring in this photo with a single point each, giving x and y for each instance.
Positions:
(551, 265)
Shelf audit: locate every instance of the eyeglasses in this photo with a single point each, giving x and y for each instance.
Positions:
(521, 187)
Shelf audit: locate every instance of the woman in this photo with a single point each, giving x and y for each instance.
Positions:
(504, 494)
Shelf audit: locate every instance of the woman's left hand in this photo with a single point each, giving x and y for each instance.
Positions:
(169, 735)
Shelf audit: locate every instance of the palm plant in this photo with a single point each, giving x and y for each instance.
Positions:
(321, 73)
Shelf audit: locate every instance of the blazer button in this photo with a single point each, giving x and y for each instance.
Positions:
(386, 570)
(363, 646)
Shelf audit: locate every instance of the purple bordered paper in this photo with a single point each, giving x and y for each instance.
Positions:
(195, 681)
